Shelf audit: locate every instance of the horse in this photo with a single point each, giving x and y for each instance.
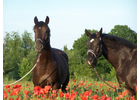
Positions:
(52, 68)
(121, 53)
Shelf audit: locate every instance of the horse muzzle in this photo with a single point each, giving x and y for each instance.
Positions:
(39, 46)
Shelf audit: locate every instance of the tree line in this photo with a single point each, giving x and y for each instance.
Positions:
(19, 55)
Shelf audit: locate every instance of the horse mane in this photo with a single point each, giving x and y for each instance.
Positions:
(121, 41)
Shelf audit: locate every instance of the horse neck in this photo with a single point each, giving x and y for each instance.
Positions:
(114, 52)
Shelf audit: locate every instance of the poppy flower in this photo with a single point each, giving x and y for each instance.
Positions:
(26, 93)
(95, 97)
(61, 94)
(7, 86)
(54, 91)
(103, 97)
(74, 80)
(132, 98)
(48, 87)
(87, 93)
(108, 98)
(84, 98)
(117, 98)
(67, 95)
(5, 95)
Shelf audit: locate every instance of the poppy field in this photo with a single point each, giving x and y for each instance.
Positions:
(76, 90)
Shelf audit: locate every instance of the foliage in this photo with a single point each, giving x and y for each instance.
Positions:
(26, 65)
(125, 32)
(77, 65)
(15, 48)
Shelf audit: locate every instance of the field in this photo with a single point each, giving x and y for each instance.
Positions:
(77, 89)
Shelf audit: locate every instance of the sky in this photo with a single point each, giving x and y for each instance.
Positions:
(68, 18)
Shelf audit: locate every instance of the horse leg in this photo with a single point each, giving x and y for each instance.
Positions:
(55, 86)
(65, 83)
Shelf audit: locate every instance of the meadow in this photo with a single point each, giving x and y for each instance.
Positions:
(77, 89)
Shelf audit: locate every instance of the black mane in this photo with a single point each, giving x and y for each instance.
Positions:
(121, 41)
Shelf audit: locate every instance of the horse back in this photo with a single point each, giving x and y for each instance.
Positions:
(60, 52)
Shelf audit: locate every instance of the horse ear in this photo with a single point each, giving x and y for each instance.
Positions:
(99, 33)
(87, 33)
(47, 20)
(35, 20)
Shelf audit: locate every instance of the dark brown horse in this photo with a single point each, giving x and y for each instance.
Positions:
(121, 53)
(52, 68)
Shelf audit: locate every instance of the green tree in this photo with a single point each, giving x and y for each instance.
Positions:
(77, 65)
(125, 32)
(27, 43)
(15, 48)
(12, 53)
(26, 65)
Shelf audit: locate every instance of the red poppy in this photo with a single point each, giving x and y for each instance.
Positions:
(95, 97)
(132, 98)
(117, 98)
(5, 95)
(37, 88)
(54, 91)
(103, 97)
(7, 86)
(67, 95)
(26, 92)
(11, 99)
(61, 94)
(87, 93)
(74, 80)
(84, 98)
(17, 86)
(108, 98)
(48, 87)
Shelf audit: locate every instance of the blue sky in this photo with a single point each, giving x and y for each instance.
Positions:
(68, 19)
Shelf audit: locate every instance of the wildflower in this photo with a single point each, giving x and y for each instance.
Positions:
(37, 90)
(117, 98)
(67, 95)
(8, 90)
(96, 90)
(95, 97)
(87, 93)
(127, 98)
(5, 95)
(121, 96)
(132, 98)
(47, 88)
(11, 99)
(84, 98)
(61, 94)
(66, 89)
(74, 80)
(26, 93)
(123, 93)
(108, 98)
(72, 96)
(103, 97)
(7, 86)
(54, 91)
(17, 86)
